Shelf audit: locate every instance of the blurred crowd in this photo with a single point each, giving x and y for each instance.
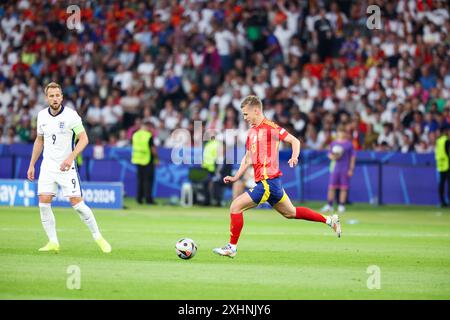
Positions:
(315, 64)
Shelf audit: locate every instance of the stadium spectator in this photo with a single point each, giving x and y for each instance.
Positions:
(387, 137)
(112, 115)
(10, 137)
(94, 119)
(319, 57)
(370, 138)
(406, 144)
(122, 140)
(323, 35)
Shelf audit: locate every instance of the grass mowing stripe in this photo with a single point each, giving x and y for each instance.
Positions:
(277, 258)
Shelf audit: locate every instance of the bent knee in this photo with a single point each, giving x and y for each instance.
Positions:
(236, 207)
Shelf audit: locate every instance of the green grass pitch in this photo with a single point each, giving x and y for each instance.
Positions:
(277, 258)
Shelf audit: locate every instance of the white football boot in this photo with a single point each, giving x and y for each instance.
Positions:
(227, 251)
(335, 224)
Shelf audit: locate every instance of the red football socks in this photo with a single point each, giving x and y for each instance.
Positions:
(236, 224)
(308, 214)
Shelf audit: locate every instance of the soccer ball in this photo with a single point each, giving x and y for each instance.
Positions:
(337, 150)
(185, 248)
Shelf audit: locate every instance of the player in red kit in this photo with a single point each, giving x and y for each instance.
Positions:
(262, 152)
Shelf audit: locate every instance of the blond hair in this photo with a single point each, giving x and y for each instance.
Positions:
(52, 85)
(252, 101)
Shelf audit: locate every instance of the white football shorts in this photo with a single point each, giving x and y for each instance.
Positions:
(69, 182)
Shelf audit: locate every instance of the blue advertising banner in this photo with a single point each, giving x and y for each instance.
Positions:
(379, 177)
(18, 193)
(15, 193)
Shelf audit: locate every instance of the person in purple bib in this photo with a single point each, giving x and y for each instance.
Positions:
(342, 156)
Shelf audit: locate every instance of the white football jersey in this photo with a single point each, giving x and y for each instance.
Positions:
(59, 139)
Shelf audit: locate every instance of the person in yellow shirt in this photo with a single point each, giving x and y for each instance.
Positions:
(209, 163)
(441, 153)
(144, 156)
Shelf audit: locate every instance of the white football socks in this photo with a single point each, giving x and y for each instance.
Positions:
(87, 216)
(48, 221)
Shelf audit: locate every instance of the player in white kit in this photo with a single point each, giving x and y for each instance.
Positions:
(57, 127)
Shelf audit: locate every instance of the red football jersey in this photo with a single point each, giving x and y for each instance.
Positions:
(262, 143)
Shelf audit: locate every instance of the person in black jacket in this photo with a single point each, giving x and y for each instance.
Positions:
(323, 35)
